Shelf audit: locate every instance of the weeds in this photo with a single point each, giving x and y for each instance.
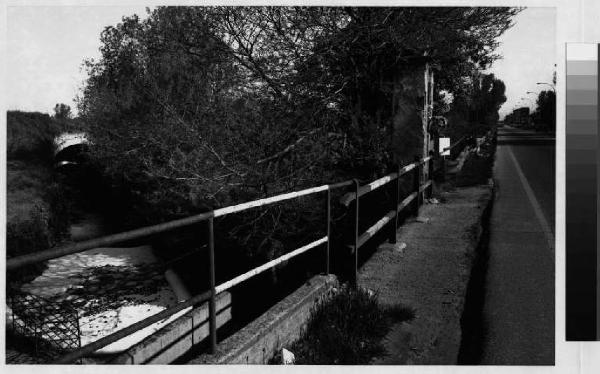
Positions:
(478, 167)
(347, 329)
(37, 208)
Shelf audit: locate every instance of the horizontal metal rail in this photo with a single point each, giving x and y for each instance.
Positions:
(490, 134)
(20, 261)
(100, 343)
(371, 231)
(103, 342)
(407, 201)
(16, 262)
(240, 278)
(211, 294)
(266, 201)
(349, 197)
(376, 184)
(407, 168)
(425, 160)
(454, 145)
(425, 185)
(341, 184)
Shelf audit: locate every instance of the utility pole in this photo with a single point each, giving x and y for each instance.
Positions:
(427, 112)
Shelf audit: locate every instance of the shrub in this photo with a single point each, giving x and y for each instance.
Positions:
(478, 167)
(30, 136)
(37, 205)
(347, 329)
(27, 236)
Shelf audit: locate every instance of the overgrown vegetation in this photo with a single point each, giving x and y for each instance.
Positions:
(194, 108)
(478, 166)
(37, 207)
(474, 111)
(30, 136)
(545, 114)
(347, 329)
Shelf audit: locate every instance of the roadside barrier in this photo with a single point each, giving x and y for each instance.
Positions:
(418, 190)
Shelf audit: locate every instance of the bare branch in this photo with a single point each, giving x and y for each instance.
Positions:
(287, 149)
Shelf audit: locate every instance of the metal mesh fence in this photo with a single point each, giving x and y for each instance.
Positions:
(43, 328)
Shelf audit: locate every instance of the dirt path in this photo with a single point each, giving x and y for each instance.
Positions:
(429, 275)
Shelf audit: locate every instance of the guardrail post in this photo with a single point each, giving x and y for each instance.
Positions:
(328, 225)
(356, 215)
(417, 185)
(12, 310)
(443, 167)
(212, 305)
(430, 173)
(396, 201)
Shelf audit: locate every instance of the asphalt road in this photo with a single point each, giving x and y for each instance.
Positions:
(518, 305)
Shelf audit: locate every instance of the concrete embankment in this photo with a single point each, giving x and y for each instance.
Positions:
(277, 328)
(107, 288)
(430, 274)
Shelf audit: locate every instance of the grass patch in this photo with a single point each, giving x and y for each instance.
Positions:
(27, 215)
(346, 329)
(37, 208)
(30, 136)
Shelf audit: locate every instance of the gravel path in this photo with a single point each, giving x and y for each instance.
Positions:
(429, 275)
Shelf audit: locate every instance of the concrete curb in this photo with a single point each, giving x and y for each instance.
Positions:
(280, 326)
(178, 337)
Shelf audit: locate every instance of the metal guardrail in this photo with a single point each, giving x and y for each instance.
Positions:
(210, 296)
(455, 146)
(469, 139)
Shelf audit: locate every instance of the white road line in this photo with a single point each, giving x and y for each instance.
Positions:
(534, 202)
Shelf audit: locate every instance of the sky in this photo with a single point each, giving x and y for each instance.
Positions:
(529, 56)
(47, 45)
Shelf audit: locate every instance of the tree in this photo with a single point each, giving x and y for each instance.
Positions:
(546, 109)
(62, 111)
(199, 107)
(488, 97)
(354, 58)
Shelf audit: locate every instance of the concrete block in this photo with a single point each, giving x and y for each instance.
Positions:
(176, 338)
(277, 328)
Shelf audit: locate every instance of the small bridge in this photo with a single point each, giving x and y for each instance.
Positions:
(199, 316)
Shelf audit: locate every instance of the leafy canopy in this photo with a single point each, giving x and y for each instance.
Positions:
(197, 107)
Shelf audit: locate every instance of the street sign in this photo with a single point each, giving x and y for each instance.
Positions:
(444, 143)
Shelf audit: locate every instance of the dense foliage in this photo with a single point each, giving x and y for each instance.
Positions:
(30, 135)
(36, 205)
(347, 329)
(475, 111)
(197, 107)
(546, 110)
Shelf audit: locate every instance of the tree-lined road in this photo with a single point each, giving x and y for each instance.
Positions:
(518, 309)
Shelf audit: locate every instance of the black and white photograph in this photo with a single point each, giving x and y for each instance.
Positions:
(280, 185)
